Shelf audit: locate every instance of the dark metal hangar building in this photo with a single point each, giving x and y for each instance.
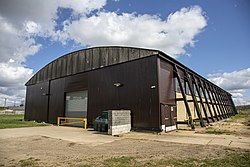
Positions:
(159, 91)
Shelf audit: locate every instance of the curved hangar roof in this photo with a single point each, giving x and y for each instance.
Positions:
(88, 59)
(94, 58)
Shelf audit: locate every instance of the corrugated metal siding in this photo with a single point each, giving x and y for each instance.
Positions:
(88, 59)
(136, 94)
(36, 107)
(56, 100)
(166, 83)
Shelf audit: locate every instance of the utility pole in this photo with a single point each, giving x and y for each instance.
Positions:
(5, 100)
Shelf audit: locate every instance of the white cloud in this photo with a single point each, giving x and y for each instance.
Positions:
(13, 76)
(89, 24)
(236, 82)
(21, 22)
(31, 27)
(233, 80)
(14, 48)
(44, 12)
(13, 45)
(109, 28)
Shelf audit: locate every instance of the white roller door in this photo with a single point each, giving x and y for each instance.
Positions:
(76, 104)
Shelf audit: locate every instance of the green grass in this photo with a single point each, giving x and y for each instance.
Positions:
(17, 121)
(244, 113)
(239, 160)
(120, 162)
(30, 162)
(215, 132)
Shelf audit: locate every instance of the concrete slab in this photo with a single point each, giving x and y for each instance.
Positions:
(190, 137)
(245, 145)
(220, 141)
(72, 134)
(93, 138)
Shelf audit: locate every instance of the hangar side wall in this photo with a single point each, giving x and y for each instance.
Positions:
(166, 83)
(166, 93)
(137, 77)
(36, 106)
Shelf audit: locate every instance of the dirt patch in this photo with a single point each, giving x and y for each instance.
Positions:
(228, 126)
(44, 151)
(64, 146)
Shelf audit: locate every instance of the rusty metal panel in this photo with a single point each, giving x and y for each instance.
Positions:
(145, 53)
(104, 57)
(50, 71)
(64, 66)
(96, 58)
(39, 77)
(134, 53)
(123, 55)
(45, 73)
(42, 76)
(69, 64)
(113, 56)
(54, 68)
(88, 60)
(81, 62)
(75, 62)
(59, 68)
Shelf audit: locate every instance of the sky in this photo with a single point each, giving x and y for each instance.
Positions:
(209, 36)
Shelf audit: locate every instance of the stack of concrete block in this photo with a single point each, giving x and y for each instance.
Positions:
(119, 122)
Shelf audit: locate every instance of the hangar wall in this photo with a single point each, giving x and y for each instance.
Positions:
(147, 81)
(136, 93)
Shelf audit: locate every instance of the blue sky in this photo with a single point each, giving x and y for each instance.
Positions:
(209, 36)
